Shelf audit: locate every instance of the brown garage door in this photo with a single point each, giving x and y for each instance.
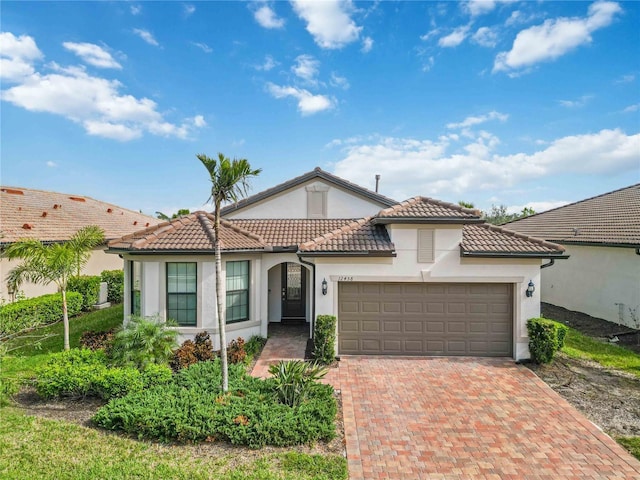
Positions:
(425, 319)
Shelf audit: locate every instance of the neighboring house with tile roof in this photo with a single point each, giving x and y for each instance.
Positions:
(602, 236)
(420, 277)
(53, 217)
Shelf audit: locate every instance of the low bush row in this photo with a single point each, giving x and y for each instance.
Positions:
(193, 408)
(38, 311)
(546, 337)
(83, 372)
(88, 286)
(115, 284)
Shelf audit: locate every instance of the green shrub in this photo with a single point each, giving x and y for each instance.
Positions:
(115, 284)
(324, 339)
(143, 341)
(235, 351)
(88, 286)
(293, 380)
(254, 345)
(37, 311)
(83, 372)
(545, 338)
(192, 351)
(193, 408)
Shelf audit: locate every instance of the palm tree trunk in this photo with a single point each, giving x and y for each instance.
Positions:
(219, 292)
(65, 319)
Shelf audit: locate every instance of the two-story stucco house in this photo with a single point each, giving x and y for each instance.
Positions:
(421, 277)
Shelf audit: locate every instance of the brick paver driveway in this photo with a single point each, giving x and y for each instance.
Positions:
(467, 418)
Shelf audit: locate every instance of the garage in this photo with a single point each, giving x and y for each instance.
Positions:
(474, 319)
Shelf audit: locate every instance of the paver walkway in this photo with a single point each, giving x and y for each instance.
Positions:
(285, 342)
(467, 418)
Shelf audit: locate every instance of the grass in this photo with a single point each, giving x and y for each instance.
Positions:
(632, 444)
(51, 449)
(23, 361)
(577, 345)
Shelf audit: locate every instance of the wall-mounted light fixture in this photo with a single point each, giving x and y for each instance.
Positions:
(325, 286)
(530, 289)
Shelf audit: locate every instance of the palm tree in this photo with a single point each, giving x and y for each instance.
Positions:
(54, 263)
(229, 182)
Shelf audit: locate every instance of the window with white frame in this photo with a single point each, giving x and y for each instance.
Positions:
(237, 283)
(182, 301)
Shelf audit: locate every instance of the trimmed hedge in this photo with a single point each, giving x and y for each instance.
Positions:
(88, 286)
(115, 282)
(546, 337)
(324, 339)
(192, 408)
(37, 311)
(83, 372)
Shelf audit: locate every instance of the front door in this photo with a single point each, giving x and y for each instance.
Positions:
(293, 291)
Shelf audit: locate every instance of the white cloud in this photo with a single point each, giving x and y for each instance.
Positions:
(632, 108)
(479, 7)
(428, 63)
(580, 102)
(267, 18)
(431, 33)
(135, 9)
(555, 37)
(328, 21)
(306, 67)
(446, 167)
(339, 82)
(518, 17)
(626, 79)
(269, 64)
(92, 54)
(537, 207)
(51, 164)
(188, 10)
(17, 56)
(95, 103)
(455, 38)
(485, 37)
(146, 36)
(308, 103)
(367, 44)
(202, 46)
(477, 120)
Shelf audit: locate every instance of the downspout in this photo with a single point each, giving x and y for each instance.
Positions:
(638, 251)
(551, 262)
(313, 281)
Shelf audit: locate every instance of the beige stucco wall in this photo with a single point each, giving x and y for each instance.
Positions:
(603, 282)
(98, 262)
(293, 204)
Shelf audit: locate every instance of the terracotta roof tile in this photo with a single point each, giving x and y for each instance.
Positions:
(290, 232)
(611, 218)
(191, 233)
(485, 238)
(428, 208)
(358, 236)
(54, 216)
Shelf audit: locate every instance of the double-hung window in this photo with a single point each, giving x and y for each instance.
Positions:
(182, 293)
(237, 283)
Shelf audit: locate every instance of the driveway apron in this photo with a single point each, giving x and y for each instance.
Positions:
(467, 418)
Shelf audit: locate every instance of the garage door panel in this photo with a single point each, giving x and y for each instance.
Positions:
(425, 319)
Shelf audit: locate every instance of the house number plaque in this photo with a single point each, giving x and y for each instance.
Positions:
(345, 278)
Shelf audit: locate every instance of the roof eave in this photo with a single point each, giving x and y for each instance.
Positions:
(184, 251)
(367, 253)
(597, 244)
(468, 254)
(427, 220)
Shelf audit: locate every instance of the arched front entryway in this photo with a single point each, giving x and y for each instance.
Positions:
(289, 293)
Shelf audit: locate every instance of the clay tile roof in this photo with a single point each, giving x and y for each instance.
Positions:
(53, 216)
(611, 219)
(289, 232)
(359, 236)
(424, 208)
(190, 233)
(306, 177)
(487, 239)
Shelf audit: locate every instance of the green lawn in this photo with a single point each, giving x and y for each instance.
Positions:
(23, 361)
(632, 444)
(577, 345)
(51, 449)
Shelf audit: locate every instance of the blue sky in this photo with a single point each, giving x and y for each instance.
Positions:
(493, 102)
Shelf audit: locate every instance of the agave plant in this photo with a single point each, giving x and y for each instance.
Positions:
(294, 379)
(144, 341)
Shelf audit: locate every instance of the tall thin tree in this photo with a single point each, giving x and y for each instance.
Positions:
(229, 183)
(54, 263)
